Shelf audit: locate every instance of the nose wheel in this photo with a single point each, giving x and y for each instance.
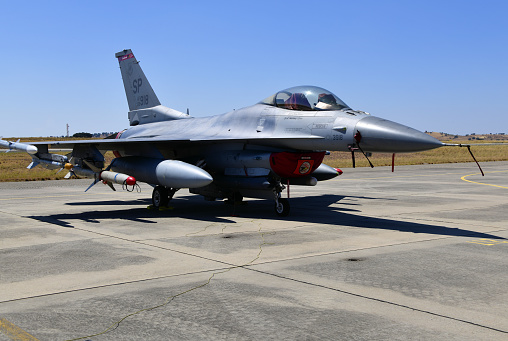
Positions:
(281, 205)
(162, 195)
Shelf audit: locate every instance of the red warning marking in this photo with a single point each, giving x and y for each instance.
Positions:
(127, 56)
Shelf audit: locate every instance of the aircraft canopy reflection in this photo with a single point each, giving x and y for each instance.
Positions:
(305, 98)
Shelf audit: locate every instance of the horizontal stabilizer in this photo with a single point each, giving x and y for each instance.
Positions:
(155, 114)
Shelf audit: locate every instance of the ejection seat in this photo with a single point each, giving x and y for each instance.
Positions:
(297, 101)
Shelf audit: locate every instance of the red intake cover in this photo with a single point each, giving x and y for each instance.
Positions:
(295, 165)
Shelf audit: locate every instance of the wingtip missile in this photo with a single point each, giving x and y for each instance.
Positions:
(24, 147)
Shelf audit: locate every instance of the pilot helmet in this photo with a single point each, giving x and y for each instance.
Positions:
(326, 98)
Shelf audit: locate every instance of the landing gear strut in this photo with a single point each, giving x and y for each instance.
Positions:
(162, 195)
(235, 198)
(281, 205)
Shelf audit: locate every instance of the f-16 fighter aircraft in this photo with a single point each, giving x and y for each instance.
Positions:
(251, 152)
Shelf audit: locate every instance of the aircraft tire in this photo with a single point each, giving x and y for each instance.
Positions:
(237, 197)
(160, 196)
(282, 209)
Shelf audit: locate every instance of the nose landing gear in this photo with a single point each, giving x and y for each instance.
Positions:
(282, 207)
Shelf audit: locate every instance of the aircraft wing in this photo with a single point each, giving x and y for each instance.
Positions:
(114, 144)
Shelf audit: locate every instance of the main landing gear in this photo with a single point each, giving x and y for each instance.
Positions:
(161, 196)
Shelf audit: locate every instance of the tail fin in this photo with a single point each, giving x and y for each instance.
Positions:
(144, 106)
(140, 94)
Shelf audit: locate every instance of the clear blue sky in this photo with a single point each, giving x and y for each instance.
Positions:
(432, 65)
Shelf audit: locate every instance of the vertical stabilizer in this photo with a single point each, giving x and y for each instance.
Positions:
(140, 94)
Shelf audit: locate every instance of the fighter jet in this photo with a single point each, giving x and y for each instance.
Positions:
(256, 152)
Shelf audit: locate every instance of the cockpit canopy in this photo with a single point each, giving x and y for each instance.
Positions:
(305, 98)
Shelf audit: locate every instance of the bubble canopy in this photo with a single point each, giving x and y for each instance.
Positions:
(305, 98)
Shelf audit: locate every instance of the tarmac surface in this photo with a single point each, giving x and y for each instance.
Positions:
(419, 254)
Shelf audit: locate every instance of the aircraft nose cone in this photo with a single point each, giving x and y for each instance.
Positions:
(380, 135)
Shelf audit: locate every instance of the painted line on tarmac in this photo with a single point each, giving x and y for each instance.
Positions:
(41, 197)
(398, 176)
(13, 332)
(488, 242)
(50, 196)
(483, 183)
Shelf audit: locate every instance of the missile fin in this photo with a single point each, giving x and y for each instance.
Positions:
(93, 183)
(33, 164)
(110, 184)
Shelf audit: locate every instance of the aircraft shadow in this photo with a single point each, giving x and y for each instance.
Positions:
(309, 209)
(141, 214)
(112, 202)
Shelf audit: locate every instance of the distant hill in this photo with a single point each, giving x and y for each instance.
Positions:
(469, 137)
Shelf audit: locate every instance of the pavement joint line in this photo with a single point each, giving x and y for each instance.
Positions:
(112, 285)
(13, 214)
(381, 301)
(359, 249)
(401, 216)
(134, 241)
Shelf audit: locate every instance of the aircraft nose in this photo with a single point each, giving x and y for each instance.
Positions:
(380, 135)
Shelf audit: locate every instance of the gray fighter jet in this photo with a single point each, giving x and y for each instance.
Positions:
(251, 152)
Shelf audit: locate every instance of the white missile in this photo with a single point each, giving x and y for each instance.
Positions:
(117, 178)
(49, 164)
(106, 176)
(24, 147)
